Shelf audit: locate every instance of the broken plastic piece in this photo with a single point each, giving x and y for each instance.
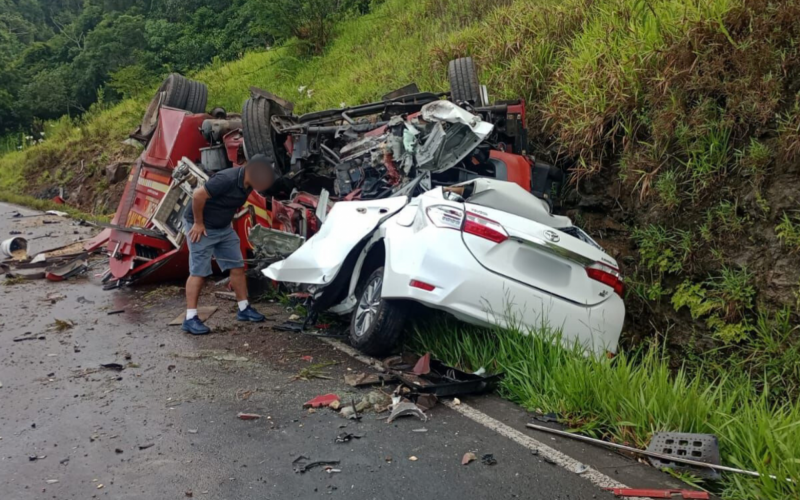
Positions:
(301, 464)
(403, 409)
(248, 416)
(468, 457)
(423, 366)
(489, 459)
(319, 401)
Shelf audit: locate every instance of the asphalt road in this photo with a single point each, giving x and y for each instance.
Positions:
(166, 426)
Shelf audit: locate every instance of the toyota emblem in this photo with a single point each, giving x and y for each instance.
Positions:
(552, 236)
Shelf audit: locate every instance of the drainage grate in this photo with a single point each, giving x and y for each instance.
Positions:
(699, 447)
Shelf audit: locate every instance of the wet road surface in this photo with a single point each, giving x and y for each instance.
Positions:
(166, 425)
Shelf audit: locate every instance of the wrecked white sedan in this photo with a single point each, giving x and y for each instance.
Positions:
(486, 251)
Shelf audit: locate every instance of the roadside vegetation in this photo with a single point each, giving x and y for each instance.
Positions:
(680, 122)
(630, 397)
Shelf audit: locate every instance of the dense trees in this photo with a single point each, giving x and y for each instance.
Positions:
(60, 56)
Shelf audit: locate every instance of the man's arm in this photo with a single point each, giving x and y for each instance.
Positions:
(199, 199)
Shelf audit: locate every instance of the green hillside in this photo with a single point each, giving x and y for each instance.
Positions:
(678, 119)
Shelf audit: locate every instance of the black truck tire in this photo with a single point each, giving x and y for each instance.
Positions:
(463, 78)
(197, 97)
(176, 90)
(386, 318)
(257, 129)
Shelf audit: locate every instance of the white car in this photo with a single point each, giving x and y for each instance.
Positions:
(486, 251)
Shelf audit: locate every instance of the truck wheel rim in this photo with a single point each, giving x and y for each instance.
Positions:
(368, 306)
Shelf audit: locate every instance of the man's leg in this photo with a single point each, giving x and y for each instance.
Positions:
(199, 268)
(194, 285)
(229, 257)
(239, 283)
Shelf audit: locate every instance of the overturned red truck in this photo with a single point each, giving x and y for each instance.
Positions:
(368, 151)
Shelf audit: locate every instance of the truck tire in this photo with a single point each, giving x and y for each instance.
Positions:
(463, 78)
(176, 90)
(257, 130)
(377, 323)
(197, 97)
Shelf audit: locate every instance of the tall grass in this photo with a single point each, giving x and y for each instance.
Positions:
(633, 396)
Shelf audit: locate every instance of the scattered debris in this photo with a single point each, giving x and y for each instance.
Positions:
(346, 437)
(445, 381)
(34, 458)
(468, 457)
(456, 401)
(402, 409)
(546, 417)
(320, 401)
(423, 429)
(362, 379)
(145, 446)
(647, 493)
(118, 451)
(428, 401)
(423, 366)
(61, 325)
(413, 458)
(580, 468)
(248, 416)
(307, 358)
(64, 271)
(118, 311)
(112, 366)
(313, 371)
(301, 464)
(29, 336)
(192, 431)
(489, 459)
(51, 481)
(225, 296)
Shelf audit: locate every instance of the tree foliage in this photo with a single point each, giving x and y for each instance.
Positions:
(59, 55)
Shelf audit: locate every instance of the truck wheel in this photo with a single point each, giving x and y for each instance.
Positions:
(257, 130)
(176, 90)
(197, 97)
(464, 81)
(377, 323)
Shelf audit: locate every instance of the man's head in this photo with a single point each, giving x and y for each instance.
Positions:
(260, 173)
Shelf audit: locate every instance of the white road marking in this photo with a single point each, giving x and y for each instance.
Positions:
(593, 475)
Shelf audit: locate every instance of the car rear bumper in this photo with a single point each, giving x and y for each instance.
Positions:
(472, 293)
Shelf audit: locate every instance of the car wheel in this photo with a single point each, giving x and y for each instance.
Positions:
(257, 129)
(377, 323)
(463, 78)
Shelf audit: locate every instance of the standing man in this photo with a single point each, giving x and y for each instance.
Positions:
(211, 234)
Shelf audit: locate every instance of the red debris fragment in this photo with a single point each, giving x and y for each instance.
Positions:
(319, 401)
(633, 493)
(248, 416)
(307, 358)
(423, 366)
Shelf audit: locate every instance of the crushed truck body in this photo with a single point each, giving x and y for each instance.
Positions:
(365, 152)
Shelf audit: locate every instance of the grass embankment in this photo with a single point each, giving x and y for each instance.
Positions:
(632, 396)
(680, 120)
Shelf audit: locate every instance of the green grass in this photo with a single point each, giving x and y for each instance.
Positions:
(634, 395)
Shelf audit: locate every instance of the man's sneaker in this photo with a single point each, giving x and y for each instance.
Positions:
(195, 326)
(250, 314)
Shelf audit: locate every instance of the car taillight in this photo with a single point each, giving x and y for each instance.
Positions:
(445, 217)
(484, 228)
(608, 276)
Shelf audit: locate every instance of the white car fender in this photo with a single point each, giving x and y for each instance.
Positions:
(348, 223)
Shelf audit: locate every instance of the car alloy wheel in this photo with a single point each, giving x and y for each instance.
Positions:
(368, 306)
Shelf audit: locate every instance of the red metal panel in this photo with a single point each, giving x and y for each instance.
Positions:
(518, 168)
(165, 148)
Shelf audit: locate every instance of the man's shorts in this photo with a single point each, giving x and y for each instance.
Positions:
(222, 244)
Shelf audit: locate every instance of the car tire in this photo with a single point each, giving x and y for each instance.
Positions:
(197, 97)
(257, 130)
(463, 78)
(377, 324)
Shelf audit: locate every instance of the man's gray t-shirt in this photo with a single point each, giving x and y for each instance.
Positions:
(228, 194)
